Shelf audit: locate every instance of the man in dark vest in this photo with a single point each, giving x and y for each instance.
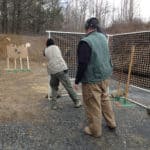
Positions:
(94, 70)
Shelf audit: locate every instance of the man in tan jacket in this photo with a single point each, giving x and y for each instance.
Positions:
(58, 70)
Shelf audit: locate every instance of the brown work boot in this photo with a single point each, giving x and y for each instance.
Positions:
(112, 129)
(88, 132)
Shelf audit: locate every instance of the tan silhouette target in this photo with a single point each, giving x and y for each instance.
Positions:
(17, 52)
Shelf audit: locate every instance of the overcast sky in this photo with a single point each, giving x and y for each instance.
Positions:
(144, 8)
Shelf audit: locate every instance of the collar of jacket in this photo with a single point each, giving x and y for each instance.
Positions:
(90, 32)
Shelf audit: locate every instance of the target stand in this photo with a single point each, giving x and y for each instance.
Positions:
(18, 52)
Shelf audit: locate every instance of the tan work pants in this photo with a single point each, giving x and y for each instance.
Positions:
(96, 102)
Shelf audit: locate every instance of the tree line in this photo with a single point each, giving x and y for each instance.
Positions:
(36, 16)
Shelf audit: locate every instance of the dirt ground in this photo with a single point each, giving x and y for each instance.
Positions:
(28, 123)
(21, 92)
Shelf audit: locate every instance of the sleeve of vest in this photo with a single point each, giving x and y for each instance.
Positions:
(83, 58)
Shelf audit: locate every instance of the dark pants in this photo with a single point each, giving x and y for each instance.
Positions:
(64, 79)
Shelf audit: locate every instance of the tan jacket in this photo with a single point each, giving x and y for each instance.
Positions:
(56, 63)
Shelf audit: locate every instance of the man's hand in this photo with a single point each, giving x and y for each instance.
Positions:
(76, 87)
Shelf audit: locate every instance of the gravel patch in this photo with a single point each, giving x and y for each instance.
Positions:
(62, 130)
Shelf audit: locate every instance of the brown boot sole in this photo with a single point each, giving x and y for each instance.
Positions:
(88, 132)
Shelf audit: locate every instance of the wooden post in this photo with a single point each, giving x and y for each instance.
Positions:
(118, 88)
(129, 71)
(28, 65)
(15, 63)
(121, 76)
(21, 63)
(8, 67)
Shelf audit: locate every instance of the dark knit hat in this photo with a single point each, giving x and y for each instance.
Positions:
(49, 42)
(92, 23)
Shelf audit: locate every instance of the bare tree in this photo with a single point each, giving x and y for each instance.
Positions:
(101, 10)
(4, 14)
(129, 9)
(13, 16)
(75, 15)
(82, 14)
(19, 16)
